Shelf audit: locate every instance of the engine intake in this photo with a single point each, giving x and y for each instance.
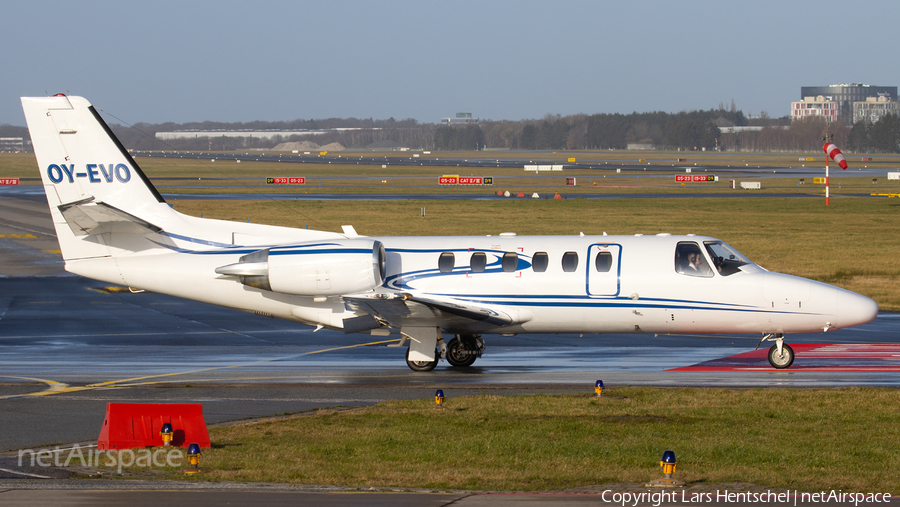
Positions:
(327, 268)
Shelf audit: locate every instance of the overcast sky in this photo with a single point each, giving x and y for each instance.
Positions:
(224, 60)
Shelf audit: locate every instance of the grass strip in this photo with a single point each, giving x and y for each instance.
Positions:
(786, 438)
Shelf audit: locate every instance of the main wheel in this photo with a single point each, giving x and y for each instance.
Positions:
(458, 355)
(423, 365)
(784, 360)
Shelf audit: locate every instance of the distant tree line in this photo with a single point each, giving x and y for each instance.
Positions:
(686, 130)
(801, 135)
(676, 131)
(13, 131)
(142, 136)
(881, 136)
(469, 137)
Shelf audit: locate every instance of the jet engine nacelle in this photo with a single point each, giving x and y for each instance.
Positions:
(327, 268)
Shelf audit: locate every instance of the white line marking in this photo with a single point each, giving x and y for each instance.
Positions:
(25, 473)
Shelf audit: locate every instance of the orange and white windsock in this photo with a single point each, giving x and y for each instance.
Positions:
(835, 155)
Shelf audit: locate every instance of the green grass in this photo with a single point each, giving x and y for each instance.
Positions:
(786, 438)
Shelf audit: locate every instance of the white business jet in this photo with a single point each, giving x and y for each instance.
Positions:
(113, 225)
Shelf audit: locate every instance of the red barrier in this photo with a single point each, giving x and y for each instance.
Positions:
(130, 425)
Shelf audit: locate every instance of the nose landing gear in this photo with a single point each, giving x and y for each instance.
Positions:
(781, 355)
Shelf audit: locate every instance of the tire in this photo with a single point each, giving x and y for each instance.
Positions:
(458, 355)
(785, 360)
(423, 365)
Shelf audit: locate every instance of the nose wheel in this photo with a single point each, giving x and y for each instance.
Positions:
(783, 359)
(781, 355)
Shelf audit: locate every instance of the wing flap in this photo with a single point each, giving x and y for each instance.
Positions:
(401, 310)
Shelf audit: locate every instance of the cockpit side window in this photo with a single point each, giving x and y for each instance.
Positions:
(689, 260)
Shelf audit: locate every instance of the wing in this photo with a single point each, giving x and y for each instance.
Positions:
(407, 310)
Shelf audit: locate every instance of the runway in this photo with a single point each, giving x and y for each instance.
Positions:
(37, 192)
(500, 160)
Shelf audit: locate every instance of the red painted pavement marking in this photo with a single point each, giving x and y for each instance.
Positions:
(813, 357)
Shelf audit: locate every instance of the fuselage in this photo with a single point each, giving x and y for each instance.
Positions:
(595, 284)
(546, 284)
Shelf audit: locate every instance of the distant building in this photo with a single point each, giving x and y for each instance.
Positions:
(12, 143)
(874, 108)
(815, 106)
(738, 130)
(259, 134)
(460, 119)
(844, 95)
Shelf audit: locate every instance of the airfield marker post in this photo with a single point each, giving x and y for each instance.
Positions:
(194, 459)
(668, 464)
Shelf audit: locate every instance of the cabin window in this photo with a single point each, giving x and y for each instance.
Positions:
(510, 262)
(570, 262)
(446, 262)
(603, 262)
(539, 262)
(689, 260)
(478, 262)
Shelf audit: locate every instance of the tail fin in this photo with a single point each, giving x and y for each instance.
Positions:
(93, 185)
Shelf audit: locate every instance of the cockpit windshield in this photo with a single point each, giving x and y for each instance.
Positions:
(726, 259)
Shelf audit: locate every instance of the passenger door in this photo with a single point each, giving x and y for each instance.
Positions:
(603, 269)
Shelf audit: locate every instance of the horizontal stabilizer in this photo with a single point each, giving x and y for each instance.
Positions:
(88, 217)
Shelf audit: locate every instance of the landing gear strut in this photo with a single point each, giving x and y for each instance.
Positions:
(781, 355)
(464, 349)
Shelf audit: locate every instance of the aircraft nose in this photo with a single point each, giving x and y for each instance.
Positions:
(855, 309)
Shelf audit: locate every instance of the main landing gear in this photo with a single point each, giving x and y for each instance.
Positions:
(461, 352)
(464, 349)
(423, 365)
(781, 355)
